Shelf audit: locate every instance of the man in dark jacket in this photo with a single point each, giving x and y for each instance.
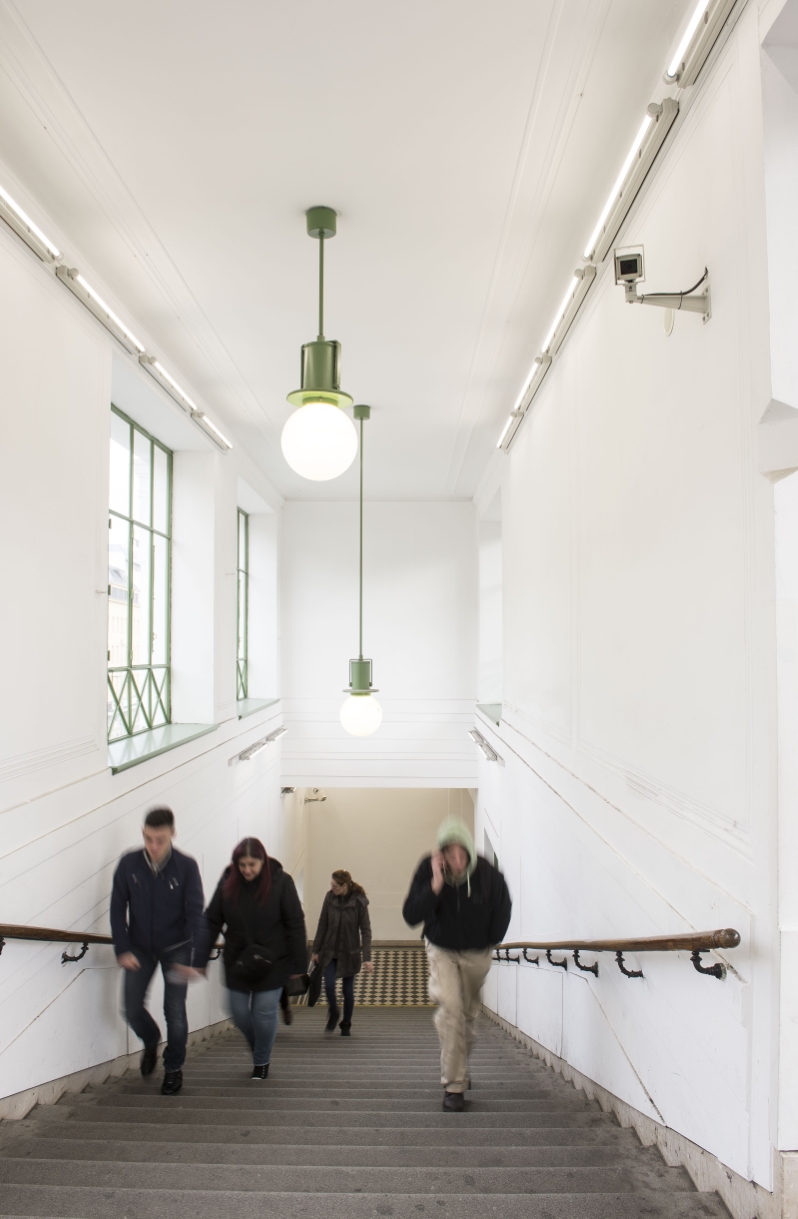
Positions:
(156, 919)
(465, 906)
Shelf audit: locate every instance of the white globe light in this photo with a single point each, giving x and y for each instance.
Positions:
(361, 714)
(319, 441)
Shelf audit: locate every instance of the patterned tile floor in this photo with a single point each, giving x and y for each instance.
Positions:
(399, 980)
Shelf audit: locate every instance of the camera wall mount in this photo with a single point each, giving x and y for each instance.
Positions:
(630, 271)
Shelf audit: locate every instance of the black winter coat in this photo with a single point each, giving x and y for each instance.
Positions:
(454, 920)
(343, 925)
(156, 913)
(278, 925)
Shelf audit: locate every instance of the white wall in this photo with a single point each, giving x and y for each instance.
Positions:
(491, 638)
(64, 818)
(639, 792)
(379, 835)
(420, 614)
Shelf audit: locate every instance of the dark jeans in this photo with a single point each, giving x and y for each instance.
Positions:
(348, 985)
(255, 1015)
(137, 982)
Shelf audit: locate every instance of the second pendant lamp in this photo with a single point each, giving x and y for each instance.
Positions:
(319, 440)
(361, 714)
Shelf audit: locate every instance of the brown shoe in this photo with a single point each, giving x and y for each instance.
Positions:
(453, 1102)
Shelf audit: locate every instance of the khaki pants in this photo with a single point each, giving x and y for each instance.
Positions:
(455, 980)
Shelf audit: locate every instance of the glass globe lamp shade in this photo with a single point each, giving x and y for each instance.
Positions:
(361, 714)
(319, 441)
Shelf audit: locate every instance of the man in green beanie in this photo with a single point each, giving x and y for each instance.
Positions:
(465, 906)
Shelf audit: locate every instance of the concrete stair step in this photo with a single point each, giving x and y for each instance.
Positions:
(285, 1090)
(259, 1097)
(76, 1132)
(169, 1113)
(77, 1202)
(249, 1178)
(626, 1154)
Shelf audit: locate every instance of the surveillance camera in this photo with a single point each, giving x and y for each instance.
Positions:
(629, 266)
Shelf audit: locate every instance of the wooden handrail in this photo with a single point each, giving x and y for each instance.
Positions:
(15, 931)
(699, 941)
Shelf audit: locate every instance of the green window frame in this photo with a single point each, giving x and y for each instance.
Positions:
(139, 580)
(242, 606)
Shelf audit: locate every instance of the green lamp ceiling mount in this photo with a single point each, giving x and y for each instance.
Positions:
(321, 359)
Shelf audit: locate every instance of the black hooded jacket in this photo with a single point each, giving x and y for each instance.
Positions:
(455, 919)
(277, 925)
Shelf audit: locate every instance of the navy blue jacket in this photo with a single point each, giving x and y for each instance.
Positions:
(156, 913)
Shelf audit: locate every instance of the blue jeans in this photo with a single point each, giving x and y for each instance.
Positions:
(137, 982)
(348, 987)
(254, 1014)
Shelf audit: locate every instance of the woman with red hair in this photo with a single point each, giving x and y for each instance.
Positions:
(265, 943)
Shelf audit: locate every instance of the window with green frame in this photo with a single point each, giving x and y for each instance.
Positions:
(242, 565)
(139, 580)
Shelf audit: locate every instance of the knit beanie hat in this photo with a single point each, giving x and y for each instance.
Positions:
(453, 831)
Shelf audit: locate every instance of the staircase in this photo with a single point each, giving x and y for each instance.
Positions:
(342, 1129)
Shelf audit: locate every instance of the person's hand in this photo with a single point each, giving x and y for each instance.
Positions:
(437, 871)
(127, 960)
(369, 968)
(315, 958)
(187, 972)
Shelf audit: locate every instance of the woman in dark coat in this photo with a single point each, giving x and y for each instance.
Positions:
(265, 943)
(342, 944)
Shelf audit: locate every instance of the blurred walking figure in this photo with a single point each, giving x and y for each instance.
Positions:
(342, 944)
(465, 906)
(265, 943)
(156, 919)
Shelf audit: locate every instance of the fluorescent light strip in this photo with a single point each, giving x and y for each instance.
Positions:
(252, 750)
(510, 421)
(673, 68)
(201, 418)
(157, 369)
(566, 300)
(613, 196)
(52, 250)
(107, 309)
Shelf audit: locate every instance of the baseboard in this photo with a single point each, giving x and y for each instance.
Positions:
(14, 1107)
(744, 1199)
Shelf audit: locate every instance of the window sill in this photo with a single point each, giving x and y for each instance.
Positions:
(491, 711)
(135, 749)
(248, 706)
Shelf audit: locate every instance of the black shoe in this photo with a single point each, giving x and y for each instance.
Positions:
(172, 1083)
(345, 1027)
(453, 1102)
(149, 1058)
(332, 1021)
(260, 1072)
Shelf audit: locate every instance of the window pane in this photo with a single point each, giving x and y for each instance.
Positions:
(242, 541)
(117, 705)
(141, 596)
(242, 612)
(142, 457)
(160, 490)
(120, 465)
(118, 598)
(160, 599)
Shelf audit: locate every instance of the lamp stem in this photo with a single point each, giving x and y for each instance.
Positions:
(321, 286)
(360, 648)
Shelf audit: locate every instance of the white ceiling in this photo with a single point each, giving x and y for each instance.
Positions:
(173, 147)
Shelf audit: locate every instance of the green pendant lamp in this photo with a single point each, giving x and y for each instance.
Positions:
(319, 440)
(361, 714)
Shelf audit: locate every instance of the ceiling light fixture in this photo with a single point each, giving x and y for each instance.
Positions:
(697, 41)
(647, 143)
(319, 440)
(23, 226)
(251, 751)
(486, 748)
(83, 290)
(361, 714)
(157, 371)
